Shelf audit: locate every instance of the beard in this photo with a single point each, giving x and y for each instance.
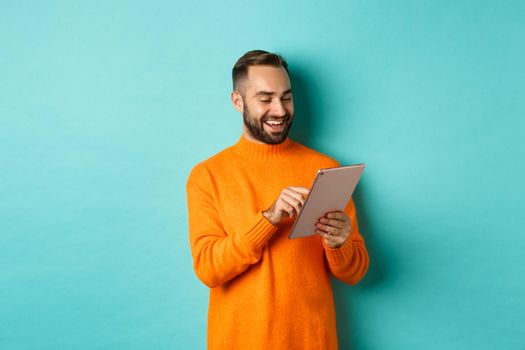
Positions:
(256, 127)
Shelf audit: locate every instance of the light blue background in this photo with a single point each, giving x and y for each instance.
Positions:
(106, 106)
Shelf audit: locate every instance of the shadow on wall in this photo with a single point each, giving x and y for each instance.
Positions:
(350, 330)
(304, 88)
(309, 104)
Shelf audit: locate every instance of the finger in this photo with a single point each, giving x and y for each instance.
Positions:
(290, 204)
(294, 202)
(329, 239)
(332, 222)
(297, 195)
(337, 215)
(289, 209)
(302, 190)
(329, 229)
(325, 235)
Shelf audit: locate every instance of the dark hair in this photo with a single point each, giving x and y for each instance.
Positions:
(254, 58)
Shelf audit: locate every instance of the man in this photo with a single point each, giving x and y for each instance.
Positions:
(267, 292)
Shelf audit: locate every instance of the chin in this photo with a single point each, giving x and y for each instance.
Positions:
(277, 139)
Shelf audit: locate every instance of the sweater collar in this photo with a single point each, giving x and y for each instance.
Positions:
(262, 151)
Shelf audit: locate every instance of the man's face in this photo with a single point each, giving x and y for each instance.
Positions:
(267, 104)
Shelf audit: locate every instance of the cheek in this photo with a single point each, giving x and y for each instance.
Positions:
(259, 111)
(290, 108)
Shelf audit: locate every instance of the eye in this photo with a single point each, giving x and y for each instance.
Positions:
(287, 99)
(266, 100)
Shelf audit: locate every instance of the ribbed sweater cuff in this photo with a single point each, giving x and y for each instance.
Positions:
(259, 231)
(341, 255)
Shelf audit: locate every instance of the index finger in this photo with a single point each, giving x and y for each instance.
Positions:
(302, 190)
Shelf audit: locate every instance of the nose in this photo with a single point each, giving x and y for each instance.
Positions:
(278, 109)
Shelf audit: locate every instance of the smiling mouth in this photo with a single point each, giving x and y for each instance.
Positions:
(275, 123)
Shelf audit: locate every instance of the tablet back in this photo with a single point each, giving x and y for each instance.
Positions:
(331, 191)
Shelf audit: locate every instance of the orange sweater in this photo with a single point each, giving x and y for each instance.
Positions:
(267, 292)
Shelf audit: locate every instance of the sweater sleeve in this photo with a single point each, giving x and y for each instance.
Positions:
(219, 256)
(349, 262)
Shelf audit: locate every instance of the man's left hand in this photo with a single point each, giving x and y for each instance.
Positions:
(335, 228)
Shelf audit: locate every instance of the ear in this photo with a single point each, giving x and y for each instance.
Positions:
(237, 101)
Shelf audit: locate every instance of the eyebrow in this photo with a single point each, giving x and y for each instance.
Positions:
(270, 93)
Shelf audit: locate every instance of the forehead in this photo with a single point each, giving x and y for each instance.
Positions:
(267, 78)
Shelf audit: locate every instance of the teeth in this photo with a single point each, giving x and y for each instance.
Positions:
(273, 122)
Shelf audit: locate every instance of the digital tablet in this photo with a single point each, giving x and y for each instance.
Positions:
(331, 191)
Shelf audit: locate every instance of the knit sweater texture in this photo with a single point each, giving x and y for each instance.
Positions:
(266, 291)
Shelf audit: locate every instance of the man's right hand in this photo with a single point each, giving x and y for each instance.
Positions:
(288, 204)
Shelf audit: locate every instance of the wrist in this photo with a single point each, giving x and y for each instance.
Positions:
(330, 245)
(268, 214)
(336, 246)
